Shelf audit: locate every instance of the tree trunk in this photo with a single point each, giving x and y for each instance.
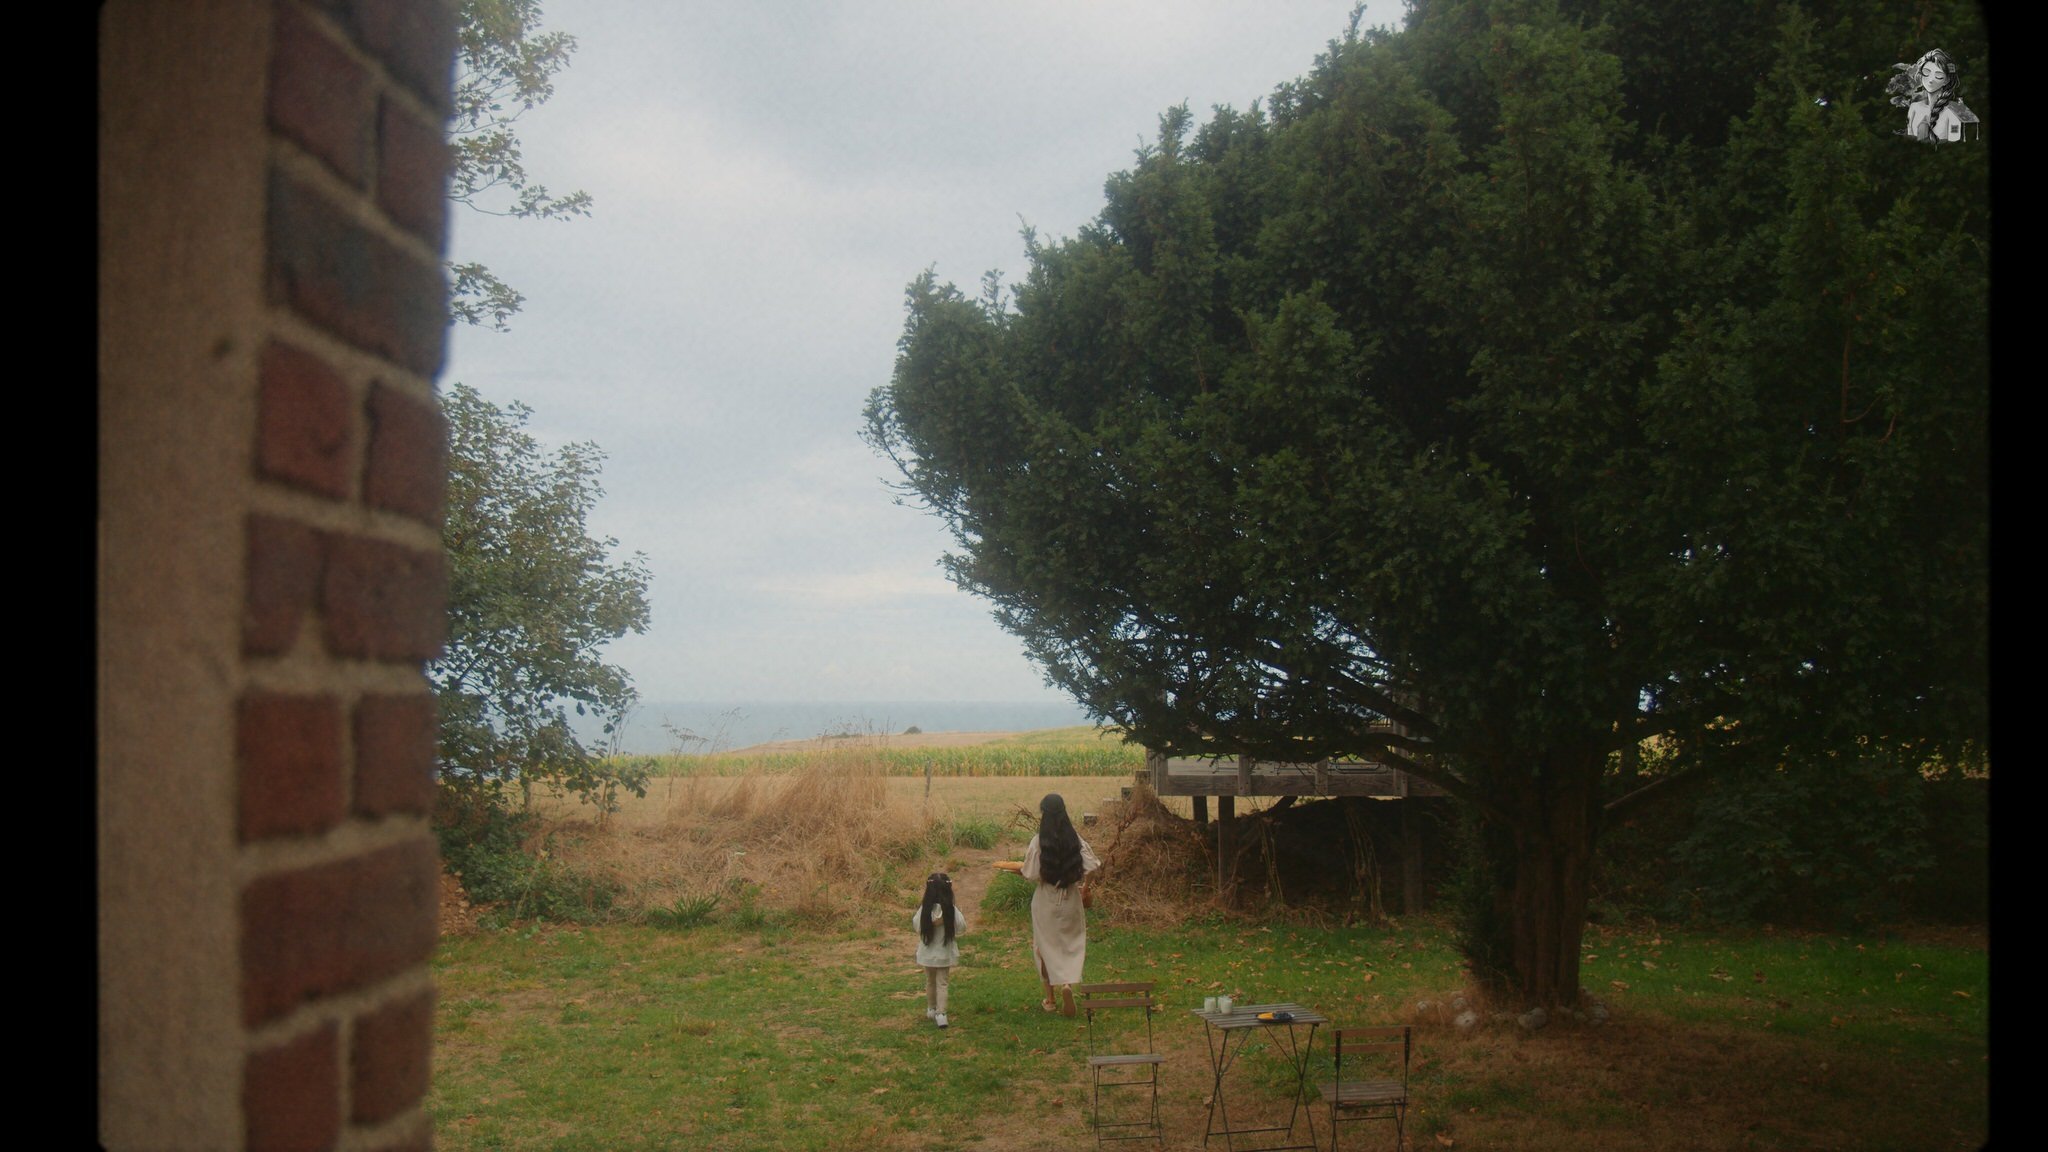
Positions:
(1411, 858)
(1549, 883)
(1226, 844)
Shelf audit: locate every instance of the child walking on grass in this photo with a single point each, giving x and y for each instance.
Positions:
(937, 922)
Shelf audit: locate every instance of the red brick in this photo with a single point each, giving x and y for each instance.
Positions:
(331, 269)
(383, 601)
(303, 422)
(288, 753)
(395, 742)
(415, 40)
(319, 96)
(406, 470)
(334, 927)
(412, 173)
(291, 1094)
(284, 584)
(390, 1058)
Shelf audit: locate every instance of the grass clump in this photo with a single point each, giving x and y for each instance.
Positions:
(686, 912)
(1008, 895)
(982, 832)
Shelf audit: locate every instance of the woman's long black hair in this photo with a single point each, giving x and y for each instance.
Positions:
(1059, 846)
(938, 889)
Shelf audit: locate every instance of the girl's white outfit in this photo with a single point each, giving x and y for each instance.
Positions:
(1059, 926)
(938, 955)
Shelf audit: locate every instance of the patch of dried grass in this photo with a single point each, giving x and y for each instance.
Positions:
(1154, 861)
(819, 843)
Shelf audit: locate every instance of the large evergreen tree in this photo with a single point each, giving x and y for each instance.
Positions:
(1541, 376)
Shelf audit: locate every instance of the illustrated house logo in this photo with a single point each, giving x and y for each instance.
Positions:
(1928, 90)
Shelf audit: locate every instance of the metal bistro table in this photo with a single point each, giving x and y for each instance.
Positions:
(1239, 1024)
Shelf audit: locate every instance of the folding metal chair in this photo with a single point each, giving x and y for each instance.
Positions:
(1112, 1064)
(1383, 1098)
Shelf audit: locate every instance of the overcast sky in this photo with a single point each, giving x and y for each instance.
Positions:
(767, 178)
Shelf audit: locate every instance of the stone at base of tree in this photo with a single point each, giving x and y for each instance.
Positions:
(1533, 1019)
(1597, 1013)
(1422, 1006)
(1467, 1021)
(1458, 1004)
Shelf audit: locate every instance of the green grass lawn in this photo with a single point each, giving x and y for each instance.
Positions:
(805, 1037)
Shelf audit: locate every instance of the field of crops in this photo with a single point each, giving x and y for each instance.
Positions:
(1054, 752)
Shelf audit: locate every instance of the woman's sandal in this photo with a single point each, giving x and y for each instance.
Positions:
(1048, 1005)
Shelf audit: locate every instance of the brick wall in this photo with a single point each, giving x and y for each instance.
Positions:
(345, 579)
(281, 805)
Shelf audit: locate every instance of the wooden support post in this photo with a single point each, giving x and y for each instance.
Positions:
(1244, 775)
(1201, 812)
(1411, 858)
(1226, 846)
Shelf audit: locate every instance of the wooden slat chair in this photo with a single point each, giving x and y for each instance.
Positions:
(1357, 1099)
(1111, 1062)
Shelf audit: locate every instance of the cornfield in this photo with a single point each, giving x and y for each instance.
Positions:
(1086, 755)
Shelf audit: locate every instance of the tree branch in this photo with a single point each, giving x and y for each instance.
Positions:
(1628, 802)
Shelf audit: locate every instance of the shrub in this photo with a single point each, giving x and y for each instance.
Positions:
(483, 845)
(1008, 894)
(1835, 842)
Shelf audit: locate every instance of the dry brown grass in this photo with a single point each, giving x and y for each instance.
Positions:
(818, 844)
(1152, 859)
(840, 836)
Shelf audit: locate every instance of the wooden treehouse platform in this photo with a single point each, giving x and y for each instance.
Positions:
(1244, 776)
(1228, 777)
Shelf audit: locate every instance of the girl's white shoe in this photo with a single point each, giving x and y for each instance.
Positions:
(939, 1019)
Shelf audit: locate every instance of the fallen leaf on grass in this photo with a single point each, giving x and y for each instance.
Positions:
(1963, 994)
(878, 1092)
(1444, 1140)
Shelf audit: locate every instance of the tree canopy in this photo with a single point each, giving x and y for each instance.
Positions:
(1540, 376)
(505, 68)
(532, 599)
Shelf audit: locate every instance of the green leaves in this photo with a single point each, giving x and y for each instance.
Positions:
(1522, 376)
(532, 599)
(505, 68)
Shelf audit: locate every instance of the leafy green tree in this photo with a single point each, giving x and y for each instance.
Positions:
(532, 600)
(1487, 383)
(505, 68)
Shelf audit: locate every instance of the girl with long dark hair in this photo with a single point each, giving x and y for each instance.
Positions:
(937, 922)
(1059, 860)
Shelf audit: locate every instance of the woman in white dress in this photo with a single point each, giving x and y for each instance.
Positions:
(1059, 860)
